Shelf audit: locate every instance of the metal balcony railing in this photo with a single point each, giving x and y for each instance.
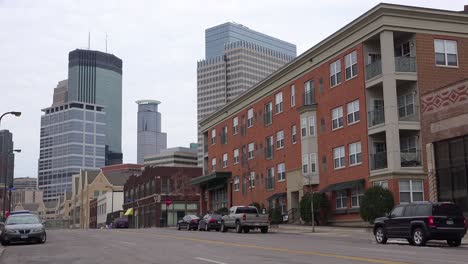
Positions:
(375, 117)
(378, 160)
(309, 98)
(408, 113)
(373, 69)
(410, 158)
(405, 64)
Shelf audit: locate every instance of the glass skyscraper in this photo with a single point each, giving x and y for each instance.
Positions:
(150, 139)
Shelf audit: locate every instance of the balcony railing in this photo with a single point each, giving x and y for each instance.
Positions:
(375, 117)
(309, 98)
(410, 158)
(373, 69)
(378, 161)
(405, 64)
(408, 113)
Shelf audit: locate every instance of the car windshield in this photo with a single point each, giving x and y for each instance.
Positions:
(246, 210)
(22, 220)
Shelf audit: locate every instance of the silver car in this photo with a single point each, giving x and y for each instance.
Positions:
(22, 227)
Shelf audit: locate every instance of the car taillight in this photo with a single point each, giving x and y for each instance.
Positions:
(244, 217)
(430, 221)
(212, 220)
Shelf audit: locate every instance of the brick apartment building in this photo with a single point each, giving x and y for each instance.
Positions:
(345, 115)
(145, 196)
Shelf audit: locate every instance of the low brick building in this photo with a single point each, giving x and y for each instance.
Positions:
(145, 196)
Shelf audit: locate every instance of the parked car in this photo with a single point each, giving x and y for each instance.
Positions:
(209, 222)
(422, 221)
(189, 222)
(244, 218)
(121, 222)
(20, 212)
(22, 227)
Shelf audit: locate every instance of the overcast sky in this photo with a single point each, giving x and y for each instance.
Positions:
(159, 43)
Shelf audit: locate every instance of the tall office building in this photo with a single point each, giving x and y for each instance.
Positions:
(236, 59)
(7, 157)
(95, 77)
(150, 139)
(25, 183)
(73, 137)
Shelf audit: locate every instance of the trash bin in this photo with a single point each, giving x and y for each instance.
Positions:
(162, 222)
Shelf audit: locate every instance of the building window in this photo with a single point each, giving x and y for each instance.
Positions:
(383, 184)
(236, 156)
(294, 134)
(309, 92)
(213, 136)
(341, 199)
(403, 50)
(335, 73)
(337, 118)
(280, 139)
(281, 172)
(250, 118)
(213, 164)
(408, 144)
(270, 178)
(279, 102)
(252, 179)
(353, 112)
(293, 95)
(355, 155)
(313, 162)
(251, 150)
(312, 125)
(224, 134)
(225, 160)
(406, 105)
(339, 157)
(235, 125)
(351, 69)
(236, 183)
(268, 114)
(411, 191)
(304, 127)
(446, 52)
(269, 147)
(305, 164)
(357, 194)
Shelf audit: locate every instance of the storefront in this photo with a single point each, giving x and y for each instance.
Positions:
(215, 191)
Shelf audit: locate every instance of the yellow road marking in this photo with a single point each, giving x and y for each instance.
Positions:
(286, 250)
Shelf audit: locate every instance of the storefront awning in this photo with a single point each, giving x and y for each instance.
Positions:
(343, 185)
(276, 195)
(129, 211)
(205, 179)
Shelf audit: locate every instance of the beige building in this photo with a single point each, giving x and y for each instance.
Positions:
(28, 199)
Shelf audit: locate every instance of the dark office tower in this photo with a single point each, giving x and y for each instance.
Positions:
(7, 158)
(95, 77)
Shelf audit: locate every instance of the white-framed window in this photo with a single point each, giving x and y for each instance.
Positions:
(252, 179)
(339, 157)
(351, 68)
(409, 144)
(305, 164)
(353, 112)
(293, 95)
(313, 162)
(279, 102)
(225, 160)
(341, 199)
(213, 164)
(355, 154)
(280, 139)
(337, 118)
(403, 49)
(446, 52)
(235, 125)
(236, 183)
(213, 136)
(251, 150)
(304, 126)
(406, 105)
(236, 156)
(281, 172)
(335, 73)
(312, 129)
(357, 193)
(411, 191)
(294, 134)
(250, 117)
(383, 184)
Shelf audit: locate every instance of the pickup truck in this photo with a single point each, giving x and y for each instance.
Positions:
(244, 218)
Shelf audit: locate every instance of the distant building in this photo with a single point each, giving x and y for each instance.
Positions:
(150, 139)
(7, 157)
(174, 157)
(61, 93)
(25, 183)
(28, 199)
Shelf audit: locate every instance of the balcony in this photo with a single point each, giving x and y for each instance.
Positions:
(405, 64)
(410, 158)
(408, 113)
(378, 161)
(373, 69)
(311, 179)
(309, 98)
(375, 117)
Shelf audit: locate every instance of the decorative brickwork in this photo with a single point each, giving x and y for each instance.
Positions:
(446, 97)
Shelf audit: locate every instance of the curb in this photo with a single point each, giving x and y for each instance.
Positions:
(2, 249)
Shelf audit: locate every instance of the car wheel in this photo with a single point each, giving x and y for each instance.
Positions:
(419, 238)
(223, 228)
(188, 227)
(246, 230)
(454, 242)
(207, 228)
(410, 241)
(264, 229)
(4, 243)
(199, 228)
(217, 229)
(238, 228)
(43, 238)
(178, 227)
(380, 236)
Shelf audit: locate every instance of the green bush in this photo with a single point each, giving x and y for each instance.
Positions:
(275, 216)
(321, 206)
(376, 202)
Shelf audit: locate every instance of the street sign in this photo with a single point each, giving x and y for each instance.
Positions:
(168, 201)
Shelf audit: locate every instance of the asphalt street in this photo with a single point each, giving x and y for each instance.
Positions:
(163, 246)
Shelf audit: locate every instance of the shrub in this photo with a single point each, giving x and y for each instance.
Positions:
(275, 216)
(376, 202)
(321, 206)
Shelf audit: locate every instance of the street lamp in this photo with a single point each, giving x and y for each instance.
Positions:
(6, 173)
(15, 113)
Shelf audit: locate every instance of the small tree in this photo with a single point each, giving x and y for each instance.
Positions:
(376, 202)
(321, 205)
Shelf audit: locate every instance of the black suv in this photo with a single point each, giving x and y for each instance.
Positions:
(422, 221)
